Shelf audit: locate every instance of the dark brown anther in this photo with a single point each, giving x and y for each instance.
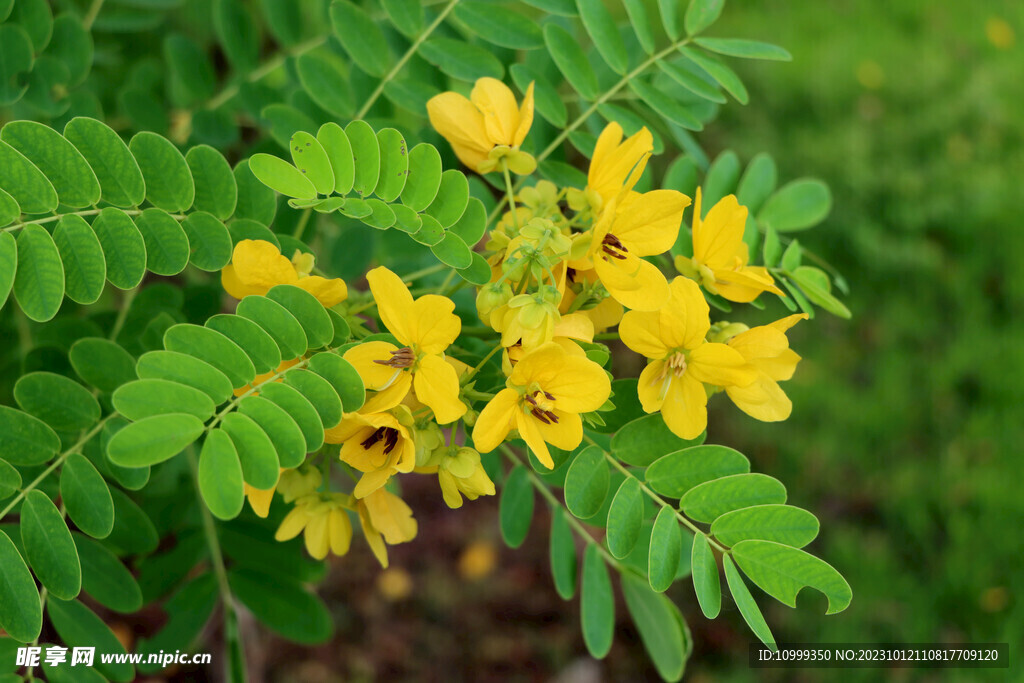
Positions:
(541, 415)
(390, 440)
(402, 358)
(570, 274)
(531, 400)
(549, 396)
(551, 416)
(373, 438)
(613, 247)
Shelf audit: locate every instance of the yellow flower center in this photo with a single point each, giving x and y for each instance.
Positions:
(542, 406)
(676, 363)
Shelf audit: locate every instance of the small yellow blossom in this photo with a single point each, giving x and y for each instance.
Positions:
(640, 225)
(385, 518)
(720, 255)
(377, 444)
(256, 266)
(486, 128)
(543, 399)
(323, 522)
(459, 474)
(682, 361)
(767, 349)
(574, 326)
(425, 327)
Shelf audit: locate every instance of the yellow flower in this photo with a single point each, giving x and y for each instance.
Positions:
(487, 127)
(682, 361)
(322, 521)
(385, 517)
(640, 225)
(543, 399)
(607, 312)
(530, 318)
(767, 349)
(616, 165)
(569, 327)
(459, 474)
(377, 444)
(425, 327)
(256, 266)
(720, 255)
(260, 499)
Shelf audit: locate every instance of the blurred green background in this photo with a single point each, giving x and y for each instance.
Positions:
(905, 435)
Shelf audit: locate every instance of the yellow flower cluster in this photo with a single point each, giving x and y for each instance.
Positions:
(567, 265)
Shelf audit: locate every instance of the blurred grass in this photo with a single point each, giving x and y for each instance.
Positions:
(906, 429)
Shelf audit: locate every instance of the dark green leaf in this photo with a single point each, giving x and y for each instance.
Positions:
(105, 579)
(123, 247)
(78, 626)
(500, 26)
(361, 37)
(214, 348)
(676, 473)
(279, 426)
(661, 627)
(707, 501)
(568, 55)
(260, 465)
(746, 605)
(39, 277)
(586, 483)
(86, 496)
(625, 516)
(49, 547)
(167, 246)
(153, 439)
(185, 369)
(21, 614)
(285, 608)
(798, 205)
(516, 507)
(62, 164)
(169, 184)
(562, 548)
(605, 34)
(85, 270)
(646, 439)
(706, 583)
(458, 59)
(216, 190)
(597, 604)
(701, 14)
(26, 183)
(785, 524)
(118, 172)
(220, 476)
(747, 49)
(62, 403)
(24, 439)
(663, 557)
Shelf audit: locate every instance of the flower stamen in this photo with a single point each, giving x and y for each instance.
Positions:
(613, 247)
(400, 358)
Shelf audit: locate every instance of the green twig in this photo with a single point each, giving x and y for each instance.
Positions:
(90, 16)
(122, 315)
(654, 496)
(557, 505)
(55, 464)
(375, 95)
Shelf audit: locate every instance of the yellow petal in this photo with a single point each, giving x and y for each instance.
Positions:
(394, 303)
(606, 314)
(649, 223)
(259, 500)
(437, 386)
(432, 323)
(496, 102)
(449, 489)
(260, 264)
(652, 386)
(720, 365)
(235, 287)
(373, 537)
(744, 285)
(785, 323)
(525, 117)
(373, 374)
(328, 292)
(371, 482)
(529, 430)
(566, 434)
(612, 163)
(641, 332)
(685, 409)
(339, 528)
(763, 400)
(293, 524)
(719, 237)
(495, 420)
(462, 125)
(781, 367)
(317, 538)
(685, 322)
(578, 384)
(634, 282)
(391, 517)
(390, 396)
(576, 326)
